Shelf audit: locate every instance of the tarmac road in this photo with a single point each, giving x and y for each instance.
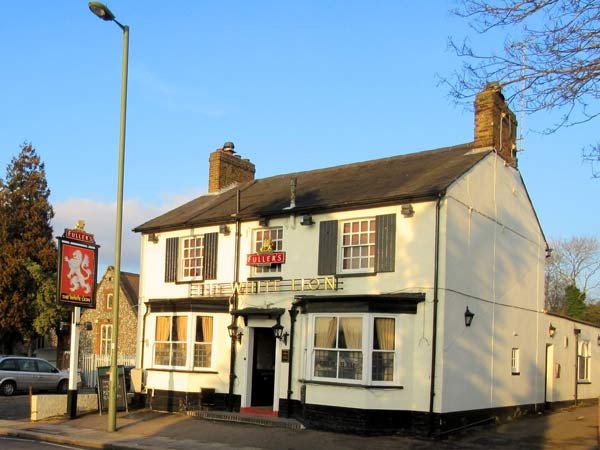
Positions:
(569, 428)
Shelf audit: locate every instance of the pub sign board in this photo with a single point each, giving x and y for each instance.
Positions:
(77, 268)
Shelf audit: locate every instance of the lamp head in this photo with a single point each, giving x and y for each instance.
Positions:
(101, 11)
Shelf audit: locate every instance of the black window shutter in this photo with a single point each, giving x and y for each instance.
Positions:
(385, 243)
(328, 243)
(211, 241)
(171, 260)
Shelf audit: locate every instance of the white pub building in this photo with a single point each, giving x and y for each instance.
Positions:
(403, 294)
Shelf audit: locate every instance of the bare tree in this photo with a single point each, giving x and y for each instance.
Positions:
(574, 262)
(550, 59)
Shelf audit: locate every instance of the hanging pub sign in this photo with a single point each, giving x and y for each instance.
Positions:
(77, 267)
(265, 256)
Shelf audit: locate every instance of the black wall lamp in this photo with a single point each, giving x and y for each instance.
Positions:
(551, 330)
(235, 333)
(468, 317)
(224, 229)
(407, 210)
(307, 220)
(263, 221)
(153, 237)
(279, 334)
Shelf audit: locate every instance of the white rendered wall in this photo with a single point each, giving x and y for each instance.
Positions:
(493, 262)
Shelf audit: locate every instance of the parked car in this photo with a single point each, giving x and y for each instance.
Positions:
(18, 373)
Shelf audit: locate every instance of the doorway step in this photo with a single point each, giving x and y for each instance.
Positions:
(263, 420)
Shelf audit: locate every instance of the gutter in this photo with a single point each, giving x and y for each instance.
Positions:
(435, 312)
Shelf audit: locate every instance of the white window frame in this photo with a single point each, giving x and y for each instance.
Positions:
(584, 356)
(368, 324)
(358, 246)
(109, 300)
(190, 341)
(196, 261)
(106, 330)
(277, 247)
(515, 362)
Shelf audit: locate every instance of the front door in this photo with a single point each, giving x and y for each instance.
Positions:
(550, 369)
(263, 367)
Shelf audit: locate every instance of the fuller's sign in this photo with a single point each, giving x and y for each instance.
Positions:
(265, 259)
(77, 268)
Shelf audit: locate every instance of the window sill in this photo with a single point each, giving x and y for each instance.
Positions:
(258, 278)
(516, 373)
(583, 382)
(361, 386)
(200, 371)
(356, 275)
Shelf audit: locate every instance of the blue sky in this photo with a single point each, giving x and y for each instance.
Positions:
(295, 85)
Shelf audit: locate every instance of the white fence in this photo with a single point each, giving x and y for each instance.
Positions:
(89, 362)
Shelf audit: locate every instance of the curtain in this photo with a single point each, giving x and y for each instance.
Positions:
(350, 334)
(204, 329)
(325, 331)
(383, 338)
(163, 326)
(179, 328)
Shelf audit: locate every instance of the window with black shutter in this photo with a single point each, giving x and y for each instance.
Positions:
(191, 258)
(364, 245)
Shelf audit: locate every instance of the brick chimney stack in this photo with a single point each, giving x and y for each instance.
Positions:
(495, 123)
(227, 168)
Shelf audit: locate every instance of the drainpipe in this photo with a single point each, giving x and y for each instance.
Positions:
(435, 312)
(234, 300)
(293, 313)
(144, 333)
(577, 332)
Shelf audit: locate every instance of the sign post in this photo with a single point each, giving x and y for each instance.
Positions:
(77, 273)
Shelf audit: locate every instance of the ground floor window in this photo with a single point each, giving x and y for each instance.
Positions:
(183, 341)
(354, 348)
(583, 362)
(105, 338)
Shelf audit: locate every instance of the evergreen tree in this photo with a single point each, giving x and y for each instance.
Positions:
(575, 302)
(27, 250)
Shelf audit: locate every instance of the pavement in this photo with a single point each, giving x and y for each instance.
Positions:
(574, 428)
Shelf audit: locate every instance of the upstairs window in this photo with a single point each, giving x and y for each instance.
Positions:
(268, 240)
(358, 245)
(191, 258)
(361, 245)
(109, 300)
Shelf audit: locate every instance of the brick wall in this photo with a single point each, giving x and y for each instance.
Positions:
(89, 341)
(225, 169)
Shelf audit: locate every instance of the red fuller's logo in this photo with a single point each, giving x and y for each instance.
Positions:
(265, 256)
(77, 270)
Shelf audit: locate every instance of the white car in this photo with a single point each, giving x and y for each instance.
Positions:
(19, 373)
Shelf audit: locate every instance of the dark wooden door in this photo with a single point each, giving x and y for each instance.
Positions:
(263, 367)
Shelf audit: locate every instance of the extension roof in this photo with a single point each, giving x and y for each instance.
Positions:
(413, 177)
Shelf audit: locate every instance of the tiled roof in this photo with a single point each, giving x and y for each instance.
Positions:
(412, 177)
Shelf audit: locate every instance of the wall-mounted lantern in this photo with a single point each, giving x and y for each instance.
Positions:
(235, 333)
(279, 334)
(551, 330)
(468, 317)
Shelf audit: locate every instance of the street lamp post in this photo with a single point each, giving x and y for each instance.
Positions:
(104, 13)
